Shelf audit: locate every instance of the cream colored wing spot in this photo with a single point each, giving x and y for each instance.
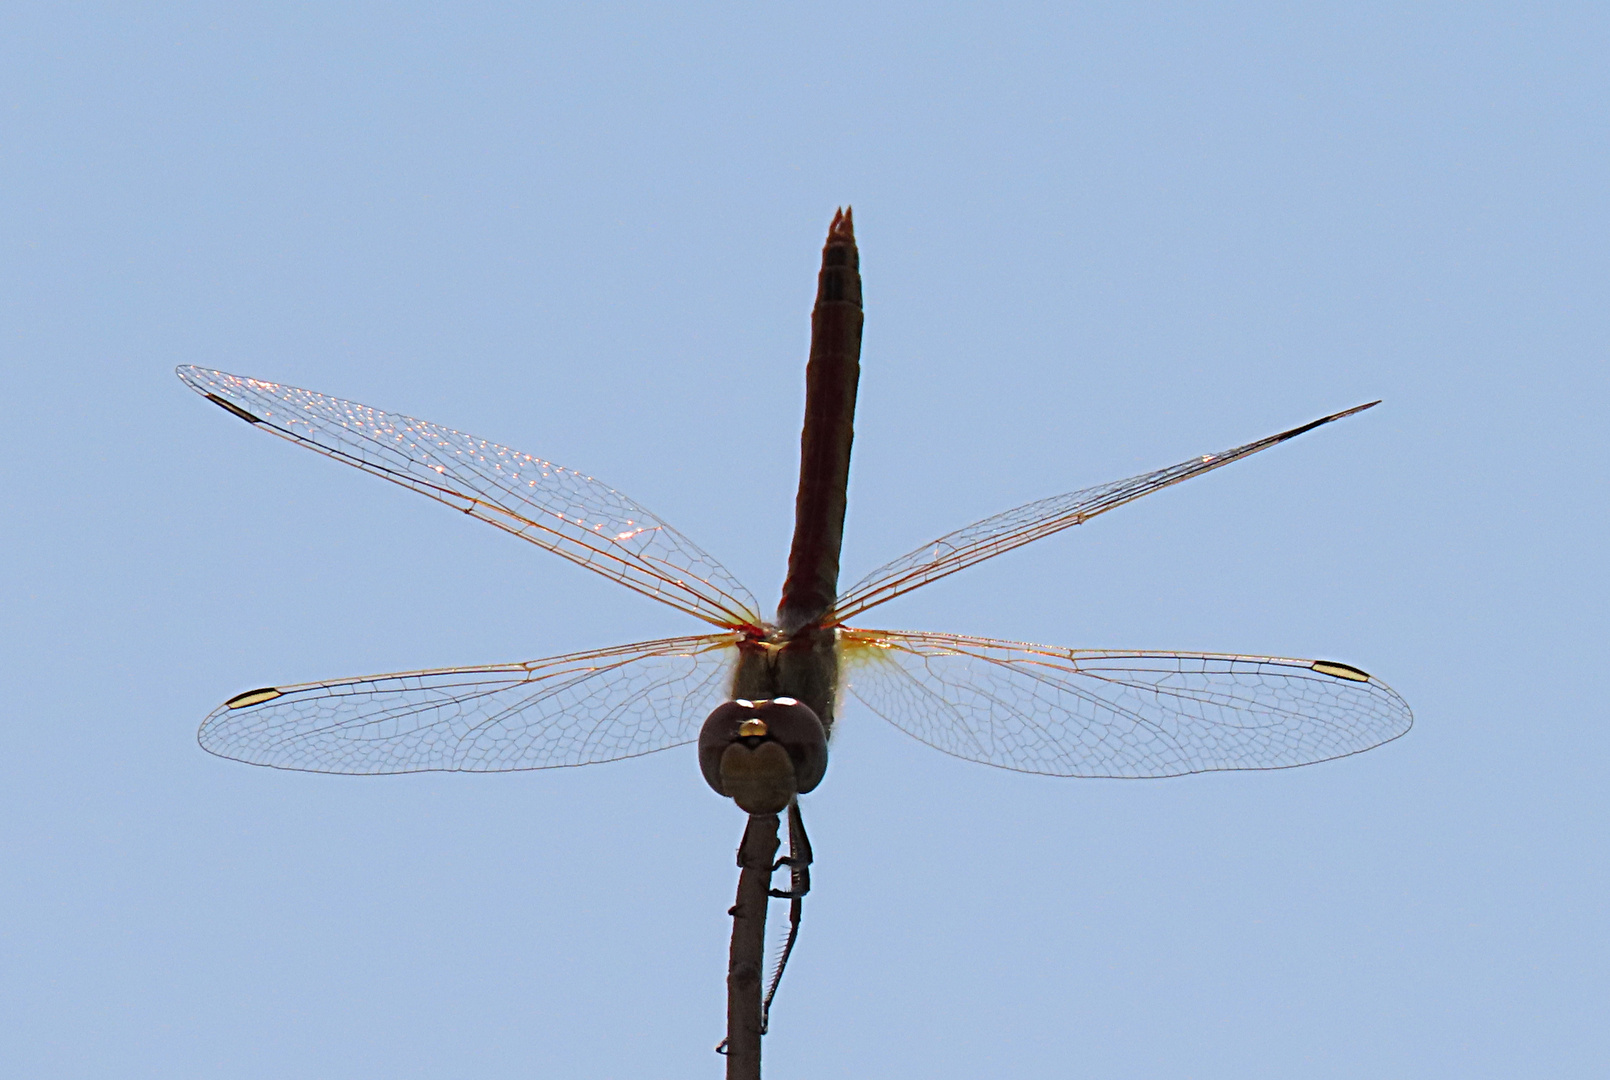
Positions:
(1340, 671)
(252, 697)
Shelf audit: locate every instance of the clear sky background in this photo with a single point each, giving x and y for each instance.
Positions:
(1096, 239)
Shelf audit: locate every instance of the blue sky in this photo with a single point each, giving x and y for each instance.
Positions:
(1096, 239)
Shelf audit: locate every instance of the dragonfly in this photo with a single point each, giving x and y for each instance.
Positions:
(761, 696)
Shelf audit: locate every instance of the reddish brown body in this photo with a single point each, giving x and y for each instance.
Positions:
(831, 379)
(760, 748)
(798, 657)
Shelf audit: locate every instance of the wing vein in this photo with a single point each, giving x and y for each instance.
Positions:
(1113, 713)
(558, 509)
(1032, 521)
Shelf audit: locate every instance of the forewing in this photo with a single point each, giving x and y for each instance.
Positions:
(565, 710)
(1013, 528)
(553, 507)
(1066, 712)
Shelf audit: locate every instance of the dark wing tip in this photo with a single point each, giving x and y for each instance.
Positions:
(198, 379)
(1354, 409)
(230, 406)
(1323, 420)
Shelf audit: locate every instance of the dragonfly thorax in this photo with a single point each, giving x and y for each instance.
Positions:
(803, 665)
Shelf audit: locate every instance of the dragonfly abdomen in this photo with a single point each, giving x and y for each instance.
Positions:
(831, 379)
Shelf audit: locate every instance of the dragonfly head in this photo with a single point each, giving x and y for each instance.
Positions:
(761, 754)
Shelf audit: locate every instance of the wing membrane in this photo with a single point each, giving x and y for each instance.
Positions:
(1013, 528)
(1066, 712)
(565, 710)
(553, 507)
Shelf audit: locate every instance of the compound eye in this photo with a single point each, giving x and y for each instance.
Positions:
(752, 726)
(795, 725)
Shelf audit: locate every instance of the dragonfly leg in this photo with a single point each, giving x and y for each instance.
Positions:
(798, 860)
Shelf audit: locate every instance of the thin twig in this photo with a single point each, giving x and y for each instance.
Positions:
(747, 958)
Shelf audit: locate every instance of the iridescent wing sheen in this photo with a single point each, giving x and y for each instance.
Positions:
(1014, 528)
(565, 710)
(1069, 712)
(553, 507)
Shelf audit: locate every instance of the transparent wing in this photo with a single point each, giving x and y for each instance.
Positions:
(553, 507)
(1067, 712)
(1014, 528)
(565, 710)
